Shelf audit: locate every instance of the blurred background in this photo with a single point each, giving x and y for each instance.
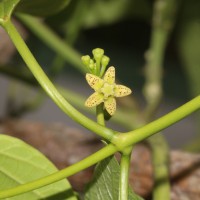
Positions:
(126, 30)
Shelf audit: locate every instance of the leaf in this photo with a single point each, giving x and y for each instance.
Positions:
(6, 9)
(42, 7)
(105, 184)
(108, 12)
(21, 163)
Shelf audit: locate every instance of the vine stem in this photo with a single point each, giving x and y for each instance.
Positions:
(124, 173)
(121, 140)
(132, 137)
(160, 162)
(50, 89)
(71, 170)
(163, 19)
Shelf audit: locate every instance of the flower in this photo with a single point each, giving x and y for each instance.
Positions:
(105, 90)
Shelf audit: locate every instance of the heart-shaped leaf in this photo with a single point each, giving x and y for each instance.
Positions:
(42, 7)
(21, 163)
(105, 184)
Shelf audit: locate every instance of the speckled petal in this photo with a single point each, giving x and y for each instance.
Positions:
(121, 91)
(109, 76)
(94, 100)
(110, 105)
(94, 81)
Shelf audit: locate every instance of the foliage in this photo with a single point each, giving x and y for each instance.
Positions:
(21, 163)
(104, 185)
(36, 7)
(23, 169)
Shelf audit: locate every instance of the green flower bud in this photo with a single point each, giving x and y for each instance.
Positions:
(98, 53)
(104, 61)
(91, 64)
(86, 60)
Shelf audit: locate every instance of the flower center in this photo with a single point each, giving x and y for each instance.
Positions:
(108, 90)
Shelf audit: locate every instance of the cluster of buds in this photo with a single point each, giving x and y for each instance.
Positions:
(103, 82)
(96, 65)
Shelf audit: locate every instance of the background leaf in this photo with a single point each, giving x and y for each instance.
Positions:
(188, 39)
(105, 184)
(21, 163)
(6, 8)
(42, 7)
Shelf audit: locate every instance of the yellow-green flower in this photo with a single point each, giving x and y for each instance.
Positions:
(105, 90)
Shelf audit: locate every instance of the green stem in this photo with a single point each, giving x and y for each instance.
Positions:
(162, 24)
(124, 174)
(160, 162)
(50, 89)
(73, 169)
(52, 40)
(132, 137)
(100, 114)
(121, 140)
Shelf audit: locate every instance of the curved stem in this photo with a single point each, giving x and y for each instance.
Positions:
(121, 117)
(73, 169)
(50, 88)
(162, 23)
(160, 162)
(132, 137)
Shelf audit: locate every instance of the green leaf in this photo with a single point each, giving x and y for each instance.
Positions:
(107, 12)
(87, 13)
(6, 9)
(42, 7)
(105, 184)
(21, 163)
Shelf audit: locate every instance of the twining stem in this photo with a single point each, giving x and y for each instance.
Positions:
(162, 24)
(121, 140)
(73, 169)
(160, 163)
(50, 89)
(135, 136)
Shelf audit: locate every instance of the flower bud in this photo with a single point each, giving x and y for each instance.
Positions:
(91, 64)
(86, 60)
(104, 61)
(98, 53)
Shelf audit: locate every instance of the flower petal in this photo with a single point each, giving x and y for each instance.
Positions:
(94, 81)
(110, 105)
(109, 76)
(121, 91)
(94, 100)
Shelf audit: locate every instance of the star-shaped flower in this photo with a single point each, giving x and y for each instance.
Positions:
(105, 90)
